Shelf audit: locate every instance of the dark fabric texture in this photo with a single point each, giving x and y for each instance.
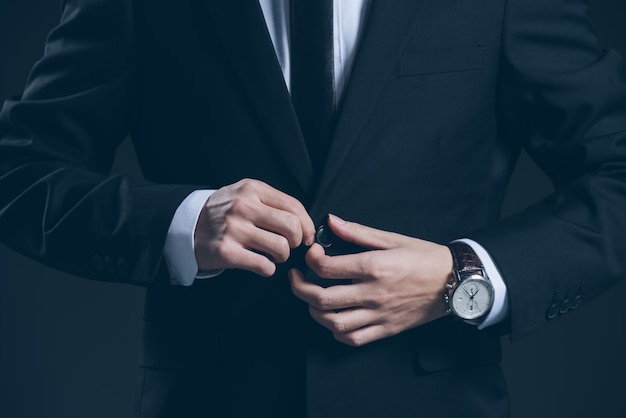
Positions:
(442, 97)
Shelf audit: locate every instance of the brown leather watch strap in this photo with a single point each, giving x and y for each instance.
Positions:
(465, 259)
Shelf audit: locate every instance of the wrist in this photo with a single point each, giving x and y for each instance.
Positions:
(179, 248)
(469, 293)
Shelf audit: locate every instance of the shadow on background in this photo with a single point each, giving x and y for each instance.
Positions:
(68, 346)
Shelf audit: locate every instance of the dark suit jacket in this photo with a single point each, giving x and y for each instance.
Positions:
(441, 99)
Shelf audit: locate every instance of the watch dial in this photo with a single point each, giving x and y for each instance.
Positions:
(472, 299)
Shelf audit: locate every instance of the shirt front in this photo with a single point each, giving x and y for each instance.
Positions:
(348, 21)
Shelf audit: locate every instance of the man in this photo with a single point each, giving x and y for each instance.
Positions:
(440, 99)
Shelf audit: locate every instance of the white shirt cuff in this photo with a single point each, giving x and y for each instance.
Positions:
(500, 307)
(179, 245)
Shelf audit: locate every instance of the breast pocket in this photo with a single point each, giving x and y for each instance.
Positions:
(442, 61)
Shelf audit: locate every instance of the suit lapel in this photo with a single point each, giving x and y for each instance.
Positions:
(250, 48)
(389, 26)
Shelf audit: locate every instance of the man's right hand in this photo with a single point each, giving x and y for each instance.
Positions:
(250, 225)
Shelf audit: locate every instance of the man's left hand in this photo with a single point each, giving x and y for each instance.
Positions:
(398, 284)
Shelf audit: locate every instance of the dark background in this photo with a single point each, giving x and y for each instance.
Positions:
(68, 346)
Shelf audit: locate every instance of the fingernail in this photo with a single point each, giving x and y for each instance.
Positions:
(336, 219)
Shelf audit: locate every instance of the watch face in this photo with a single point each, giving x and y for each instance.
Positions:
(472, 298)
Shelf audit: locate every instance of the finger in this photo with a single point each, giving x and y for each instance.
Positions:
(280, 222)
(275, 246)
(344, 321)
(349, 266)
(324, 299)
(237, 257)
(363, 335)
(279, 200)
(252, 210)
(362, 235)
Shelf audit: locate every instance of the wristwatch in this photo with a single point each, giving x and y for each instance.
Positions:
(469, 293)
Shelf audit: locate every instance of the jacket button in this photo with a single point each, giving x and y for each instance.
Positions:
(122, 267)
(552, 311)
(578, 300)
(324, 236)
(97, 262)
(109, 265)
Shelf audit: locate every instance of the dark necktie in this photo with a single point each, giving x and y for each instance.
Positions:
(312, 74)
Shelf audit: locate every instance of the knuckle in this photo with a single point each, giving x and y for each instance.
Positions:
(291, 223)
(239, 205)
(322, 302)
(263, 266)
(225, 253)
(247, 182)
(323, 269)
(267, 268)
(248, 185)
(290, 229)
(394, 329)
(377, 270)
(379, 299)
(237, 187)
(230, 227)
(384, 299)
(355, 340)
(339, 326)
(280, 249)
(293, 205)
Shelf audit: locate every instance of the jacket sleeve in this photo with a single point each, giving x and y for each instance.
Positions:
(58, 204)
(565, 102)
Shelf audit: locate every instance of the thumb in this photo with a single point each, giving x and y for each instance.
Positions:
(362, 235)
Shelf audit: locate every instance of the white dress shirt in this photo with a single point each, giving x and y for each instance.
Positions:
(348, 16)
